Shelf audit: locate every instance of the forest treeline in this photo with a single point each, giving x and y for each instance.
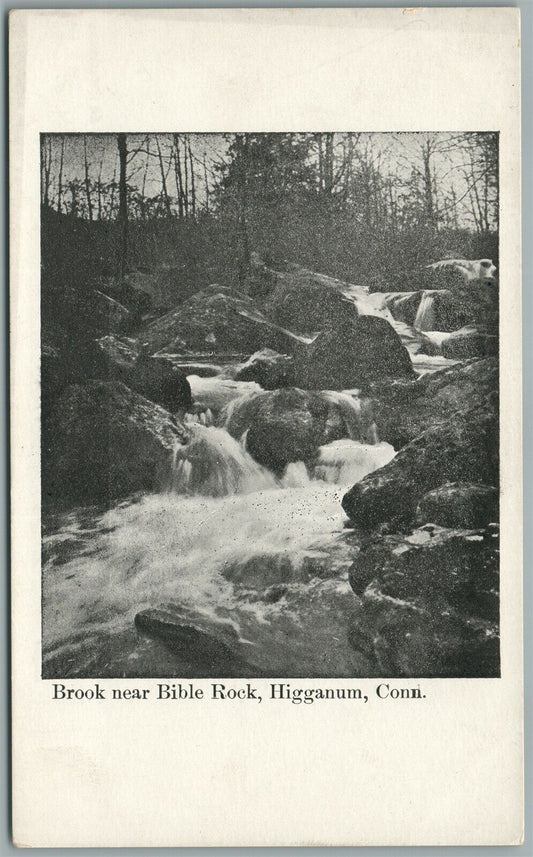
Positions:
(338, 203)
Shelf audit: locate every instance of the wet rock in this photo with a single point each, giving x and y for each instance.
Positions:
(156, 378)
(352, 355)
(404, 307)
(306, 302)
(403, 410)
(201, 370)
(283, 426)
(290, 424)
(459, 504)
(198, 639)
(103, 441)
(268, 369)
(473, 303)
(120, 355)
(216, 321)
(111, 314)
(159, 380)
(469, 342)
(430, 603)
(463, 448)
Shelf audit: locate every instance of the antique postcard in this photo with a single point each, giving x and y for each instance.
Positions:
(266, 427)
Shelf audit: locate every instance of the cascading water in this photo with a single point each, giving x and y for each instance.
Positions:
(425, 316)
(344, 462)
(216, 393)
(213, 464)
(356, 414)
(227, 545)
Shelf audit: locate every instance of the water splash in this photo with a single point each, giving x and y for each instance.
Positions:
(213, 464)
(345, 462)
(425, 316)
(216, 393)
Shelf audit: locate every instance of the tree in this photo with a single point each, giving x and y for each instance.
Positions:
(123, 201)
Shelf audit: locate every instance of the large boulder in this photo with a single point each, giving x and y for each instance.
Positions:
(473, 303)
(403, 306)
(217, 321)
(102, 442)
(459, 504)
(403, 410)
(430, 603)
(306, 302)
(154, 377)
(159, 380)
(289, 425)
(111, 315)
(268, 369)
(283, 426)
(469, 342)
(352, 355)
(462, 448)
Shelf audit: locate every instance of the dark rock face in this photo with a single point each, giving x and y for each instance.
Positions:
(459, 504)
(119, 357)
(403, 410)
(198, 639)
(303, 302)
(103, 441)
(290, 424)
(473, 303)
(283, 426)
(110, 314)
(352, 356)
(430, 603)
(463, 448)
(404, 307)
(269, 369)
(158, 380)
(469, 342)
(216, 321)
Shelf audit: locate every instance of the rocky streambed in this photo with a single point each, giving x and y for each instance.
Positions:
(301, 485)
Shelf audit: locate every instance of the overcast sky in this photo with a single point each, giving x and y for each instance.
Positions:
(397, 153)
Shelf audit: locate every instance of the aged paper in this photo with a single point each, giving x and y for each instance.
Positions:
(265, 270)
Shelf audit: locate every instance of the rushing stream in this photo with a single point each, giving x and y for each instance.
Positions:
(217, 542)
(255, 562)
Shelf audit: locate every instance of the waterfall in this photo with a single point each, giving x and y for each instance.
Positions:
(215, 392)
(425, 316)
(213, 464)
(356, 414)
(345, 462)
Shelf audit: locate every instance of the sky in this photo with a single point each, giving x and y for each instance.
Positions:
(397, 153)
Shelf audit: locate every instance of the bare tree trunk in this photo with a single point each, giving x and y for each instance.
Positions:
(99, 189)
(163, 180)
(87, 180)
(244, 260)
(320, 163)
(123, 201)
(60, 177)
(113, 187)
(178, 175)
(428, 184)
(328, 164)
(186, 189)
(143, 189)
(206, 185)
(74, 198)
(46, 164)
(193, 189)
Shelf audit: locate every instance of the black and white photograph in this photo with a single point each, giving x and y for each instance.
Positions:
(266, 430)
(269, 404)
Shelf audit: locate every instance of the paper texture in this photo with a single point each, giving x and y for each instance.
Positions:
(262, 740)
